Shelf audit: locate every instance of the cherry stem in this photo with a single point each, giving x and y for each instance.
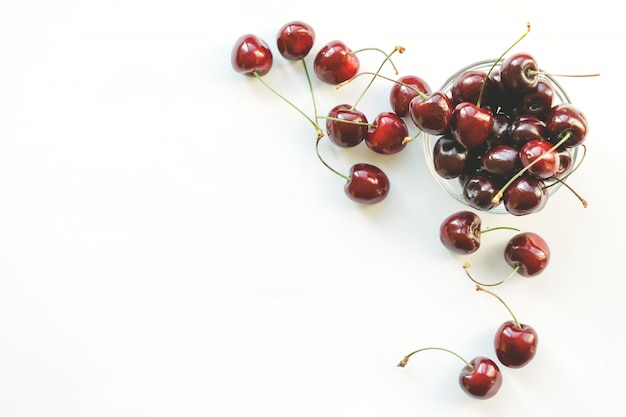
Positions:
(399, 49)
(498, 228)
(582, 200)
(317, 151)
(562, 180)
(337, 119)
(482, 87)
(466, 267)
(308, 80)
(498, 196)
(421, 93)
(320, 132)
(405, 360)
(517, 323)
(535, 72)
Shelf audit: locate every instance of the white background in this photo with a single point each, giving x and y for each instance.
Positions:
(171, 246)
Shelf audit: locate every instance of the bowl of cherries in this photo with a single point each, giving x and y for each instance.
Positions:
(501, 135)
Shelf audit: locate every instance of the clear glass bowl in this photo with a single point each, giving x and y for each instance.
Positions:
(453, 185)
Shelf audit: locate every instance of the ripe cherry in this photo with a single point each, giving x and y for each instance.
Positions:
(431, 113)
(525, 195)
(480, 378)
(404, 90)
(528, 252)
(387, 134)
(466, 87)
(538, 101)
(566, 119)
(335, 63)
(346, 126)
(449, 157)
(515, 343)
(295, 40)
(548, 163)
(502, 161)
(520, 73)
(471, 125)
(251, 56)
(525, 128)
(460, 232)
(367, 184)
(479, 191)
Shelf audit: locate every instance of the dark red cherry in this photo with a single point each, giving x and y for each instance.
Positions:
(401, 94)
(566, 161)
(482, 379)
(387, 134)
(515, 345)
(295, 40)
(500, 131)
(433, 114)
(545, 161)
(368, 184)
(460, 232)
(449, 157)
(479, 191)
(467, 87)
(566, 119)
(528, 251)
(502, 161)
(525, 128)
(251, 55)
(525, 195)
(538, 101)
(471, 125)
(519, 73)
(335, 63)
(348, 133)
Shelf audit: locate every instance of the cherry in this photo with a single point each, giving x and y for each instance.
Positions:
(515, 343)
(480, 378)
(295, 40)
(335, 63)
(519, 72)
(251, 56)
(460, 232)
(466, 87)
(404, 90)
(471, 125)
(502, 161)
(525, 195)
(500, 131)
(367, 184)
(528, 252)
(566, 119)
(449, 157)
(431, 113)
(387, 134)
(479, 191)
(525, 128)
(538, 101)
(548, 163)
(346, 126)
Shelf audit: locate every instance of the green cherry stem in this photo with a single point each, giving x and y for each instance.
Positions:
(308, 80)
(498, 228)
(466, 267)
(399, 49)
(482, 88)
(499, 194)
(517, 323)
(319, 156)
(405, 360)
(320, 132)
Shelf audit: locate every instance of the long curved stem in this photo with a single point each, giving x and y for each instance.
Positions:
(387, 58)
(405, 360)
(517, 323)
(317, 151)
(466, 267)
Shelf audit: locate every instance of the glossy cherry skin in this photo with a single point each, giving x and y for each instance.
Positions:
(482, 380)
(335, 63)
(387, 134)
(368, 184)
(525, 195)
(433, 114)
(566, 118)
(525, 128)
(565, 163)
(467, 87)
(538, 101)
(460, 232)
(401, 95)
(449, 157)
(502, 161)
(547, 160)
(349, 133)
(529, 251)
(471, 125)
(500, 130)
(295, 40)
(518, 73)
(251, 55)
(479, 191)
(515, 346)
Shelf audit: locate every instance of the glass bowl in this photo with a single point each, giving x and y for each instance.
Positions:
(453, 185)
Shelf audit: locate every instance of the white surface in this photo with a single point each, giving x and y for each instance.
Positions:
(170, 245)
